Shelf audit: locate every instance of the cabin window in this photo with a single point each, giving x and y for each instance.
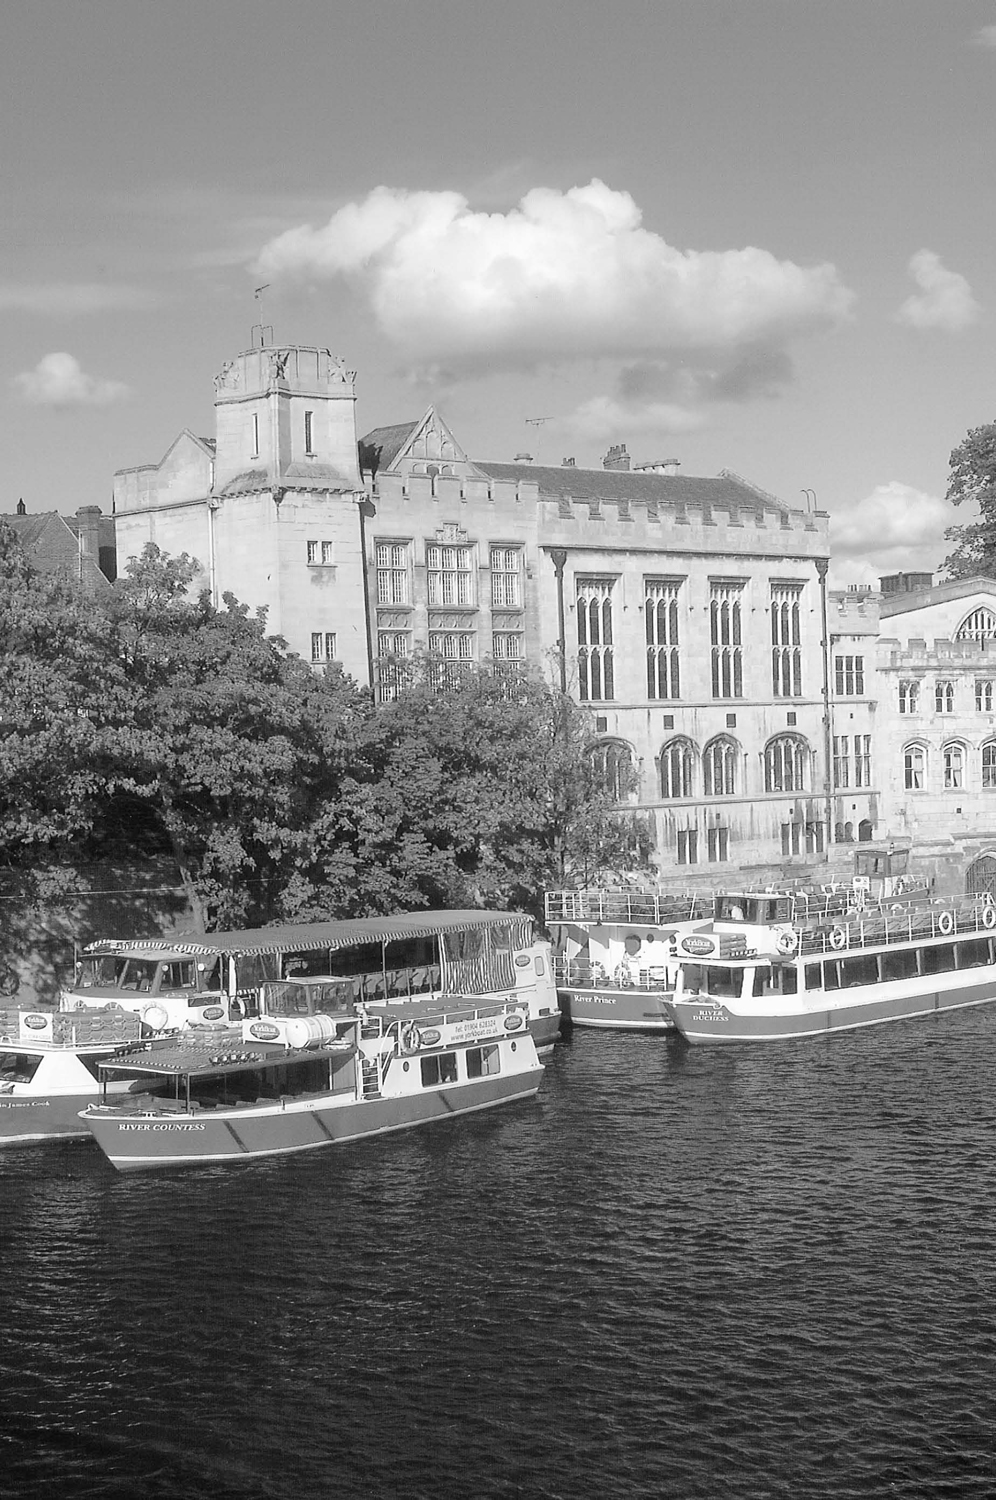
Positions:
(181, 975)
(483, 1061)
(899, 963)
(814, 976)
(860, 970)
(723, 983)
(103, 970)
(138, 974)
(939, 960)
(18, 1067)
(440, 1068)
(831, 974)
(775, 979)
(974, 954)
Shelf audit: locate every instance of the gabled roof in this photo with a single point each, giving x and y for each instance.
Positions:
(939, 593)
(380, 448)
(570, 482)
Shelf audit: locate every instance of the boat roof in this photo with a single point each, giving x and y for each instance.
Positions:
(216, 1054)
(300, 937)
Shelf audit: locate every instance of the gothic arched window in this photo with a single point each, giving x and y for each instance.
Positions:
(785, 759)
(677, 766)
(719, 767)
(611, 762)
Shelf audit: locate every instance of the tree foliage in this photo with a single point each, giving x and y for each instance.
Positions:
(972, 479)
(161, 723)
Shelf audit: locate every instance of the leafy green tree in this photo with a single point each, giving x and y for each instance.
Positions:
(472, 792)
(972, 479)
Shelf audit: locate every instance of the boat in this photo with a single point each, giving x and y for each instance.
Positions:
(615, 948)
(614, 952)
(48, 1069)
(193, 980)
(763, 971)
(296, 1078)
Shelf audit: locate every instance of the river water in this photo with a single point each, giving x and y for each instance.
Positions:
(716, 1273)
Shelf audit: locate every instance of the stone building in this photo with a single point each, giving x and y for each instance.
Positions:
(688, 614)
(936, 723)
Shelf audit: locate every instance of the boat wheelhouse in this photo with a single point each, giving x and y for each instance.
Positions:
(614, 952)
(48, 1069)
(216, 978)
(763, 971)
(296, 1079)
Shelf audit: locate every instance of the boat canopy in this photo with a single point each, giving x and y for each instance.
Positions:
(300, 937)
(212, 1058)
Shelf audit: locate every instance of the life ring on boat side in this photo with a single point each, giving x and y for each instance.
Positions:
(786, 942)
(838, 937)
(989, 916)
(154, 1016)
(411, 1039)
(945, 922)
(623, 977)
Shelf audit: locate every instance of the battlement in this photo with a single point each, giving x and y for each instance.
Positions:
(941, 653)
(295, 369)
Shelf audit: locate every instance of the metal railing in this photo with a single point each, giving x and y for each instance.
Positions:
(914, 923)
(657, 908)
(588, 974)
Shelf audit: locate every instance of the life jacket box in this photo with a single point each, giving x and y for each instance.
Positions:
(732, 944)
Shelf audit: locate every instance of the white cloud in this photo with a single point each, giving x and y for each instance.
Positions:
(60, 299)
(58, 380)
(895, 528)
(565, 275)
(985, 36)
(606, 418)
(945, 298)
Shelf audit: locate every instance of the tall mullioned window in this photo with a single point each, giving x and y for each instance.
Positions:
(596, 668)
(786, 640)
(914, 768)
(719, 767)
(677, 765)
(989, 766)
(984, 695)
(322, 645)
(454, 653)
(660, 611)
(612, 765)
(785, 759)
(506, 575)
(849, 676)
(394, 649)
(909, 696)
(944, 696)
(980, 625)
(841, 763)
(725, 630)
(449, 574)
(862, 759)
(393, 573)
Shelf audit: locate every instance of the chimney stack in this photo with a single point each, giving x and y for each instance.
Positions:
(567, 463)
(523, 458)
(616, 458)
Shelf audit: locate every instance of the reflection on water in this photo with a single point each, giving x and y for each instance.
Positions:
(681, 1272)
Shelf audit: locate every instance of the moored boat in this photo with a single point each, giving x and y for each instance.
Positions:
(48, 1069)
(762, 972)
(213, 979)
(295, 1079)
(614, 953)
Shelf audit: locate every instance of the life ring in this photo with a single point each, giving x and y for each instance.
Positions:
(411, 1039)
(112, 1005)
(623, 977)
(838, 937)
(80, 1005)
(989, 916)
(154, 1016)
(945, 922)
(786, 942)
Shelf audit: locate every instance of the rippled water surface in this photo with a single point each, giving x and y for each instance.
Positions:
(708, 1273)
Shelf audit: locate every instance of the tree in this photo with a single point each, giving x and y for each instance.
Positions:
(973, 478)
(475, 791)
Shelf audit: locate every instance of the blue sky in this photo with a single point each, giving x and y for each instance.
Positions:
(751, 234)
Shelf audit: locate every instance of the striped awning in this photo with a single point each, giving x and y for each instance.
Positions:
(302, 937)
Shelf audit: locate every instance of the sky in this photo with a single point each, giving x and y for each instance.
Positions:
(744, 234)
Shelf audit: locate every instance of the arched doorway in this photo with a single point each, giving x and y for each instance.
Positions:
(980, 879)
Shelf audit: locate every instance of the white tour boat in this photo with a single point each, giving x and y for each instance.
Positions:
(762, 971)
(616, 956)
(48, 1069)
(295, 1079)
(614, 948)
(213, 979)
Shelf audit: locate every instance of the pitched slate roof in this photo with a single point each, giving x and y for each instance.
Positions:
(383, 444)
(569, 482)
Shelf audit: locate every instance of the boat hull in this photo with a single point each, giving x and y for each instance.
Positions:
(618, 1009)
(176, 1140)
(704, 1022)
(26, 1118)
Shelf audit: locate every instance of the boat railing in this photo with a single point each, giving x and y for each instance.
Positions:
(586, 974)
(657, 908)
(915, 922)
